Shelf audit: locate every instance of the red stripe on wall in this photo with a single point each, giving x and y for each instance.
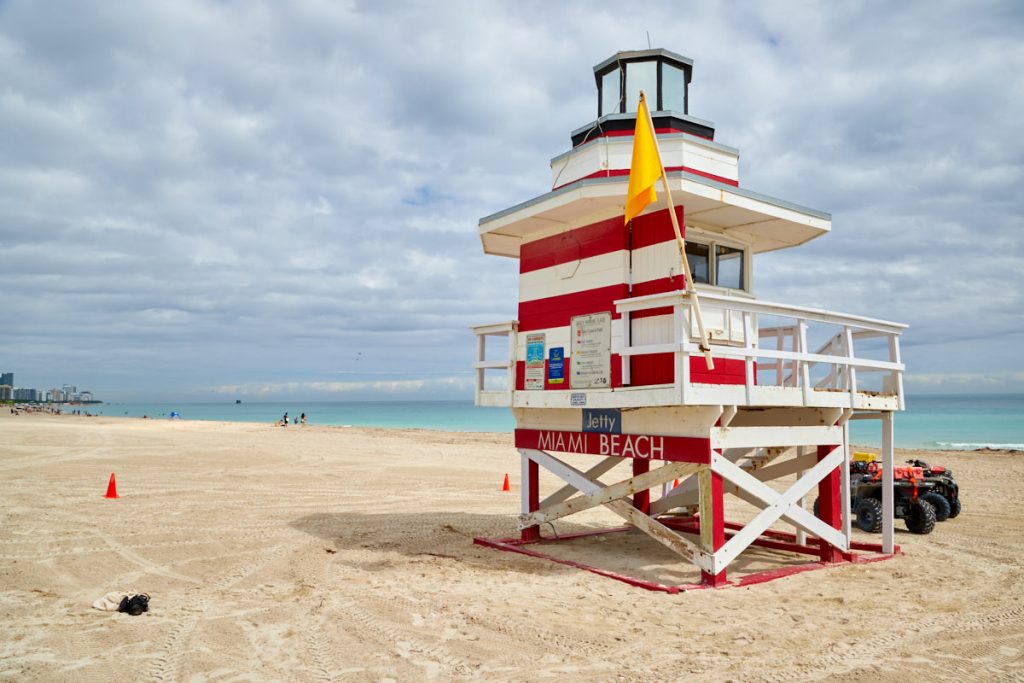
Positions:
(599, 238)
(557, 311)
(659, 131)
(655, 228)
(659, 368)
(616, 172)
(662, 284)
(591, 240)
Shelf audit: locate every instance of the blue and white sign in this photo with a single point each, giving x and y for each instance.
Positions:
(556, 365)
(603, 420)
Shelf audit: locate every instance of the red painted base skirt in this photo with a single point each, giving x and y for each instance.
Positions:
(776, 540)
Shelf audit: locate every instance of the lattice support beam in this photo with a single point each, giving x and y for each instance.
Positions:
(777, 506)
(650, 526)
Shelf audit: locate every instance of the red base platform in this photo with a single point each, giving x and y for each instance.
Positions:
(774, 540)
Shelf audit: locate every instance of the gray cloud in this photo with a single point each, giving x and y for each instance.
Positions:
(203, 195)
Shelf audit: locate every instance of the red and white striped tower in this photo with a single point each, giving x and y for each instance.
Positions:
(605, 360)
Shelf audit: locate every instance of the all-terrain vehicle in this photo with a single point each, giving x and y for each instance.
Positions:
(911, 501)
(945, 496)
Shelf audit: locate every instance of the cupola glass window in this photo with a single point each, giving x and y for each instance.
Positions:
(673, 88)
(641, 76)
(611, 94)
(662, 75)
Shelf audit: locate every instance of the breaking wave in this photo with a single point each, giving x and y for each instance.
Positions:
(956, 446)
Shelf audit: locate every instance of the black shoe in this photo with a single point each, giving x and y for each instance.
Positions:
(134, 604)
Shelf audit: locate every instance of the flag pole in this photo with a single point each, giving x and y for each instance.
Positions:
(691, 290)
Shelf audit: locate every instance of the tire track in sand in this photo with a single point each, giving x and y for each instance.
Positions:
(167, 665)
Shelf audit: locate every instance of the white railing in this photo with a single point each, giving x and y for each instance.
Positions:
(503, 396)
(776, 356)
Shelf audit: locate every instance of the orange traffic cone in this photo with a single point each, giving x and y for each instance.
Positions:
(505, 486)
(111, 487)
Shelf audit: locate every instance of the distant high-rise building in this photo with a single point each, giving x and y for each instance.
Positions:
(6, 392)
(69, 392)
(84, 395)
(56, 395)
(7, 378)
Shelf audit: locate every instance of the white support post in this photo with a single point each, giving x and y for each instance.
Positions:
(779, 368)
(481, 353)
(682, 360)
(794, 344)
(728, 413)
(888, 461)
(524, 478)
(627, 341)
(801, 535)
(851, 370)
(512, 334)
(748, 360)
(844, 483)
(894, 356)
(805, 370)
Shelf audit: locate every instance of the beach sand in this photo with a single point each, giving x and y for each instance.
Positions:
(329, 553)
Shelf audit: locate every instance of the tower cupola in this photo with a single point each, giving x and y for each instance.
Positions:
(663, 75)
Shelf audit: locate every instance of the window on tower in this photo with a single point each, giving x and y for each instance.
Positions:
(641, 76)
(697, 255)
(716, 264)
(673, 89)
(611, 93)
(729, 267)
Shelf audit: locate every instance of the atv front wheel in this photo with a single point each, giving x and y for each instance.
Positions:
(954, 507)
(941, 505)
(920, 517)
(869, 515)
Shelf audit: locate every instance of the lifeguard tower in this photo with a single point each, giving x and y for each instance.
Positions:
(605, 357)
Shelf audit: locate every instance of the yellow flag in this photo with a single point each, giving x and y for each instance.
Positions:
(645, 170)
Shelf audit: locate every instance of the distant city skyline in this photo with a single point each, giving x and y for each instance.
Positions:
(211, 201)
(67, 392)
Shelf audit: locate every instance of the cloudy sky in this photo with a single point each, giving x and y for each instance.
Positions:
(204, 200)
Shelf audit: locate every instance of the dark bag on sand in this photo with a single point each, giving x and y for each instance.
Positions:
(134, 604)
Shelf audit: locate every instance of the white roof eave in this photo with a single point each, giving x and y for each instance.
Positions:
(765, 222)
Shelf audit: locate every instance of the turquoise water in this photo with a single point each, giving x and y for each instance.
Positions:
(937, 422)
(456, 416)
(962, 422)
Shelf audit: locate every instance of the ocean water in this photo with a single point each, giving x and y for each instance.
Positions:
(959, 422)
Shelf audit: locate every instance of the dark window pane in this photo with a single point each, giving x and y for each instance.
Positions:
(697, 255)
(729, 267)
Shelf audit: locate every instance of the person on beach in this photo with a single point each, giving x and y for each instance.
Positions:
(303, 418)
(284, 420)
